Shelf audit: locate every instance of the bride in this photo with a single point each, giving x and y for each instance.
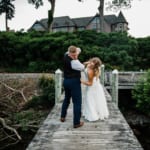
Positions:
(94, 102)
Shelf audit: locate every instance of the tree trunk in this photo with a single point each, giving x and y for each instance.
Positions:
(101, 15)
(52, 11)
(6, 23)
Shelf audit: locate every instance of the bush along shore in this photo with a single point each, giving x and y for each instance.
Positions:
(43, 52)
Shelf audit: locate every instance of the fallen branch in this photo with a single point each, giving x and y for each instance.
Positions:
(17, 91)
(31, 126)
(9, 128)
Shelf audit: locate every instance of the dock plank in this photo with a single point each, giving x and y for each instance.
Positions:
(113, 133)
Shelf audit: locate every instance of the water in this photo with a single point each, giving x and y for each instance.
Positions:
(127, 106)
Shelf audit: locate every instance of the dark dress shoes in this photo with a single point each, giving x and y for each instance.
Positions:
(62, 119)
(79, 125)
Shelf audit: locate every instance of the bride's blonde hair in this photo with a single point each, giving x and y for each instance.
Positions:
(97, 63)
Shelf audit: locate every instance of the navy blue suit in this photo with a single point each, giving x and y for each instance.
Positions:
(72, 87)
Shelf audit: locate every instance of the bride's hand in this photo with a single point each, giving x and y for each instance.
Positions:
(86, 63)
(83, 82)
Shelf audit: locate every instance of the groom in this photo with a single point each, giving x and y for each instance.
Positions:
(72, 86)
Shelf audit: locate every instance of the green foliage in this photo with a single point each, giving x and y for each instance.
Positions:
(47, 95)
(143, 53)
(48, 89)
(43, 52)
(37, 3)
(141, 93)
(7, 7)
(28, 117)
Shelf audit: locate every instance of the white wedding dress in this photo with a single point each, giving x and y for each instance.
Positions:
(94, 101)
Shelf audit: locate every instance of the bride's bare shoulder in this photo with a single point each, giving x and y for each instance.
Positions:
(90, 72)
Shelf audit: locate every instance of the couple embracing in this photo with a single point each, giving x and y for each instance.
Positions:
(94, 101)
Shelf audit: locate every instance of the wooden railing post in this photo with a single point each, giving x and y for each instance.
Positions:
(114, 85)
(102, 77)
(58, 85)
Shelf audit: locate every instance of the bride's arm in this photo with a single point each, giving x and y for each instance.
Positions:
(90, 78)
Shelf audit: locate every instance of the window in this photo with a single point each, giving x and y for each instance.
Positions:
(81, 29)
(95, 24)
(37, 27)
(66, 23)
(55, 24)
(120, 26)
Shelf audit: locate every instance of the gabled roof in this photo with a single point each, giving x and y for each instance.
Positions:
(44, 22)
(121, 18)
(111, 19)
(82, 22)
(62, 22)
(65, 21)
(40, 23)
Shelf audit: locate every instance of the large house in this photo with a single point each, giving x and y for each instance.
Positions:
(66, 24)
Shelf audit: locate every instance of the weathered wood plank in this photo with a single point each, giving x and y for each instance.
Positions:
(111, 134)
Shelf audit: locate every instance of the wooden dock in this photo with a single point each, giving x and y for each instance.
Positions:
(111, 134)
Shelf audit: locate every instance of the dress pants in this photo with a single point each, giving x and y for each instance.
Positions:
(72, 87)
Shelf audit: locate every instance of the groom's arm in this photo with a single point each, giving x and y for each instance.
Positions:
(77, 65)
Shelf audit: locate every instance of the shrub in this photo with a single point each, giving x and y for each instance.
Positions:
(43, 52)
(141, 93)
(28, 117)
(47, 94)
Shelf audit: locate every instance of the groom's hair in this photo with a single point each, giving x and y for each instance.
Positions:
(72, 49)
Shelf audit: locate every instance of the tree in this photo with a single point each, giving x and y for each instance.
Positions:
(111, 4)
(8, 8)
(101, 15)
(38, 3)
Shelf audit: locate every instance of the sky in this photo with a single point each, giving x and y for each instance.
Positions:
(26, 14)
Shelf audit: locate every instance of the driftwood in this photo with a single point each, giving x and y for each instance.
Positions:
(17, 91)
(14, 94)
(9, 128)
(11, 136)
